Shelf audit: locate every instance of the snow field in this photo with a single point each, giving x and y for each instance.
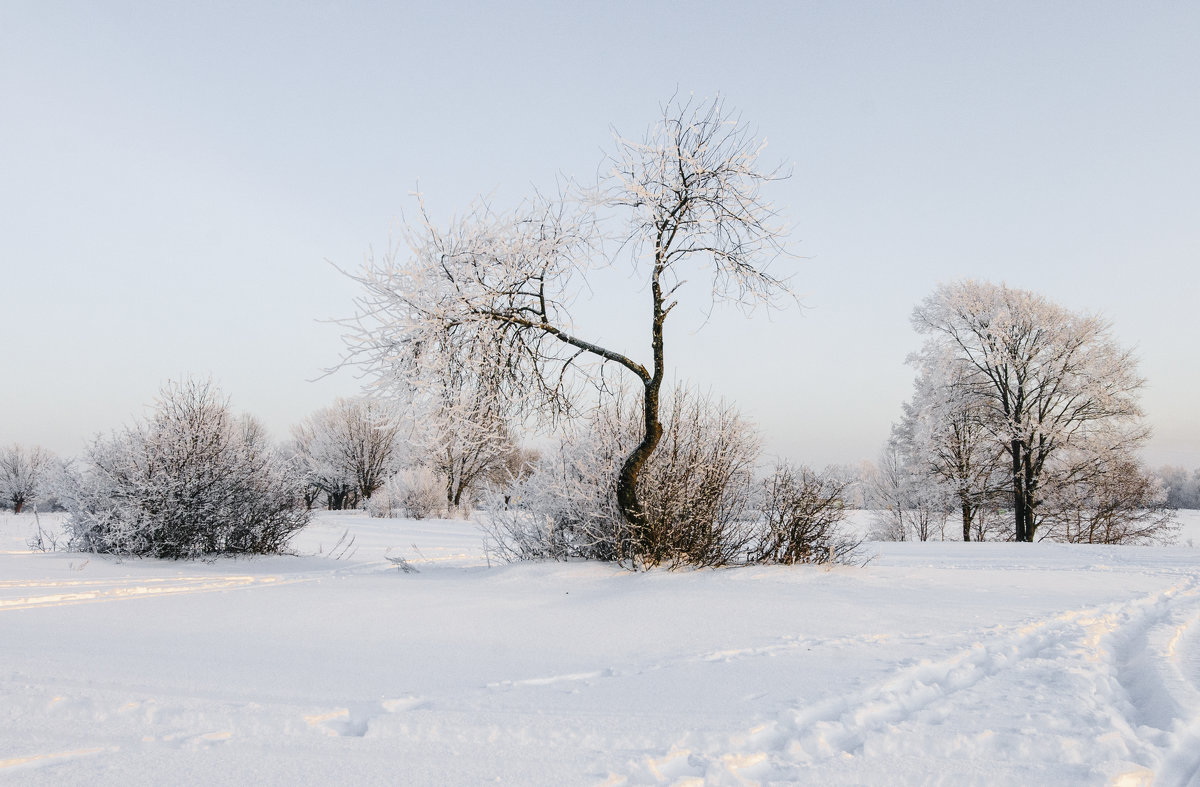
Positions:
(938, 663)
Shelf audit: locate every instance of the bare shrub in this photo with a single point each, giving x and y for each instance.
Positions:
(415, 493)
(383, 504)
(1114, 503)
(565, 507)
(697, 491)
(193, 481)
(802, 515)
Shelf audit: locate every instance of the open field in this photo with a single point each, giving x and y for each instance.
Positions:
(938, 663)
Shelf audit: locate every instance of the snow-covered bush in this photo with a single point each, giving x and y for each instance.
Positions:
(383, 504)
(802, 514)
(565, 508)
(415, 493)
(194, 480)
(699, 487)
(697, 490)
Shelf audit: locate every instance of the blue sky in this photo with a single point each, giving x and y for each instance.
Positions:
(174, 176)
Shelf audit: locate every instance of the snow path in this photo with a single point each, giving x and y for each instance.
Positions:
(937, 664)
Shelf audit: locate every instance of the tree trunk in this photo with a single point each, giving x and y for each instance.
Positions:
(337, 499)
(1031, 487)
(966, 517)
(627, 495)
(1018, 482)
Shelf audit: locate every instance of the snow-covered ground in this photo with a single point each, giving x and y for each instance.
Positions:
(936, 664)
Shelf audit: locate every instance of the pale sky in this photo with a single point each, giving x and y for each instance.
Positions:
(174, 176)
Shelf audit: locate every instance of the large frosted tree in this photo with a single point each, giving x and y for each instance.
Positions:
(1050, 386)
(496, 290)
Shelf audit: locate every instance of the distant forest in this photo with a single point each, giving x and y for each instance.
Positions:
(1183, 488)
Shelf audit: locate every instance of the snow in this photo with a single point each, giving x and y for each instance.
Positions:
(937, 663)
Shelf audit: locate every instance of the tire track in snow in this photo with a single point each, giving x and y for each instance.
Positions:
(1116, 639)
(1177, 685)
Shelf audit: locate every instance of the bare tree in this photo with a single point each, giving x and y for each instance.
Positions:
(461, 422)
(350, 449)
(499, 288)
(23, 473)
(456, 411)
(852, 478)
(910, 503)
(1047, 379)
(944, 433)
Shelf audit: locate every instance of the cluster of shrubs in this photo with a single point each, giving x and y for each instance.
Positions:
(703, 504)
(196, 480)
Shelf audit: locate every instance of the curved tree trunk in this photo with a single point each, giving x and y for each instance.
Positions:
(627, 494)
(640, 543)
